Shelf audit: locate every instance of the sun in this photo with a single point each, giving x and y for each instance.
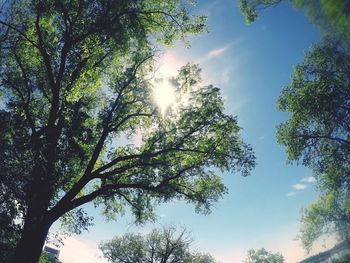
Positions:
(164, 95)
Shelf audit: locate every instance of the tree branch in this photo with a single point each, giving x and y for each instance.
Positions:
(328, 137)
(25, 101)
(87, 175)
(20, 32)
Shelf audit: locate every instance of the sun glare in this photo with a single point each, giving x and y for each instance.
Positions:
(164, 95)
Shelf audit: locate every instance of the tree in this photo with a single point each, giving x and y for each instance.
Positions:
(251, 8)
(45, 258)
(263, 256)
(75, 77)
(159, 246)
(331, 16)
(9, 232)
(318, 134)
(343, 259)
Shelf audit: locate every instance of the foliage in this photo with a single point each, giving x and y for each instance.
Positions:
(45, 258)
(263, 256)
(251, 8)
(331, 16)
(343, 259)
(159, 246)
(9, 230)
(318, 133)
(75, 79)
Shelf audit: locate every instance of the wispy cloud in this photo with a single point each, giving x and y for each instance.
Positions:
(302, 186)
(217, 52)
(309, 179)
(299, 186)
(291, 194)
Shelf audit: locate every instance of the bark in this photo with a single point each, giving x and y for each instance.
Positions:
(37, 221)
(33, 237)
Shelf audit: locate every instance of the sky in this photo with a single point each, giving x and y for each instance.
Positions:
(250, 64)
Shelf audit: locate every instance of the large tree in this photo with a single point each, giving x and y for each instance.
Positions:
(75, 78)
(318, 134)
(159, 246)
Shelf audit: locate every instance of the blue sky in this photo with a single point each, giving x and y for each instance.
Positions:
(250, 64)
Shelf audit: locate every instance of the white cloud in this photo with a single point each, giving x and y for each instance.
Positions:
(77, 250)
(309, 179)
(214, 53)
(291, 194)
(300, 186)
(217, 52)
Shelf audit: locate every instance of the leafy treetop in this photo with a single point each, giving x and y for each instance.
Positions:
(159, 246)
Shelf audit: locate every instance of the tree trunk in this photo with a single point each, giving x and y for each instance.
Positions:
(33, 237)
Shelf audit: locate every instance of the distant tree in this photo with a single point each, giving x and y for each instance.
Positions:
(159, 246)
(263, 256)
(74, 78)
(318, 134)
(198, 257)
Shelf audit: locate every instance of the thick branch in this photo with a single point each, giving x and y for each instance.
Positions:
(328, 137)
(57, 211)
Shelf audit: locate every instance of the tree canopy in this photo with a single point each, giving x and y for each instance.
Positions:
(75, 78)
(263, 256)
(318, 134)
(251, 8)
(159, 246)
(330, 16)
